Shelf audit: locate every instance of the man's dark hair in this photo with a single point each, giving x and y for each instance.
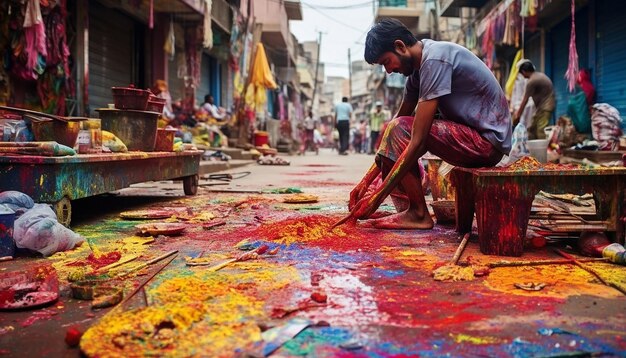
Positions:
(527, 66)
(206, 98)
(344, 99)
(381, 36)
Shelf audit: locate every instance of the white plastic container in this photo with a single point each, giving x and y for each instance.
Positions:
(538, 148)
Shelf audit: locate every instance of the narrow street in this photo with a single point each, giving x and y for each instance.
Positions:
(352, 291)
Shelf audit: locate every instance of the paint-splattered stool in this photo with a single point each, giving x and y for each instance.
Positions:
(57, 180)
(502, 201)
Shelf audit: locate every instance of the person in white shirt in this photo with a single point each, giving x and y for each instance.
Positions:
(211, 108)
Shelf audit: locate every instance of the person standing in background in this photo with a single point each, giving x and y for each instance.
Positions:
(341, 121)
(310, 124)
(377, 121)
(540, 89)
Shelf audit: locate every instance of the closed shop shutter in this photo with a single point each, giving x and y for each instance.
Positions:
(559, 36)
(611, 46)
(111, 37)
(216, 80)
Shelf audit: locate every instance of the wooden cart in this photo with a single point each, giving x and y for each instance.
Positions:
(58, 180)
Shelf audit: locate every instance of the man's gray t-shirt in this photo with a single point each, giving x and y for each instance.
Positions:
(467, 91)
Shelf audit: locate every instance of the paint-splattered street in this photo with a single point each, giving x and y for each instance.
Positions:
(307, 290)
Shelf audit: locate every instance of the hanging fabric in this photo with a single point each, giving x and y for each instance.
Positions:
(151, 16)
(572, 66)
(170, 42)
(510, 82)
(35, 36)
(261, 78)
(208, 32)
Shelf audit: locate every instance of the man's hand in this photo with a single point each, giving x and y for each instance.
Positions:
(361, 188)
(357, 194)
(365, 207)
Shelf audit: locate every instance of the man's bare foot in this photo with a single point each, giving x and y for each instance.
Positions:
(405, 220)
(380, 214)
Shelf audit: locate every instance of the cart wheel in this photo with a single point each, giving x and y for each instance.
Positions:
(63, 209)
(190, 184)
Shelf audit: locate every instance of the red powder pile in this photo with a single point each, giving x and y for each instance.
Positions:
(530, 163)
(99, 261)
(315, 230)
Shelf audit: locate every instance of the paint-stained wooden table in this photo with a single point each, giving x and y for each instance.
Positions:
(502, 201)
(57, 180)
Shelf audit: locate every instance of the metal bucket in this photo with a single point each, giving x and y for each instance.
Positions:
(137, 129)
(55, 130)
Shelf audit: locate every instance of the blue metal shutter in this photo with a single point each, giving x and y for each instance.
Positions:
(611, 47)
(559, 36)
(205, 75)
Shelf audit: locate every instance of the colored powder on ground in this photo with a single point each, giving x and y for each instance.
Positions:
(215, 312)
(320, 183)
(97, 261)
(413, 259)
(303, 229)
(37, 316)
(311, 173)
(561, 281)
(315, 230)
(67, 262)
(316, 342)
(462, 338)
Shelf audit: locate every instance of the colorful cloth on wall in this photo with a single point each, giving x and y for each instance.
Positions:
(207, 41)
(572, 67)
(502, 25)
(38, 52)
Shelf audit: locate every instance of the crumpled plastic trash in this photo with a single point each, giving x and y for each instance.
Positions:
(16, 201)
(38, 229)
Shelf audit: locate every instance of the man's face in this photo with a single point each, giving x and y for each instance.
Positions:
(397, 63)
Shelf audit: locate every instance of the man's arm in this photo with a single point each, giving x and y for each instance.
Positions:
(406, 107)
(424, 117)
(520, 110)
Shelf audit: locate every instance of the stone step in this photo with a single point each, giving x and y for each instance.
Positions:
(209, 166)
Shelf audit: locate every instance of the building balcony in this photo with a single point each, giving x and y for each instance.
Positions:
(222, 15)
(452, 8)
(273, 16)
(275, 33)
(294, 9)
(406, 11)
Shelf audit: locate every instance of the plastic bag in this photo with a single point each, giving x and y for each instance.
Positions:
(38, 229)
(16, 201)
(606, 126)
(15, 130)
(519, 144)
(578, 111)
